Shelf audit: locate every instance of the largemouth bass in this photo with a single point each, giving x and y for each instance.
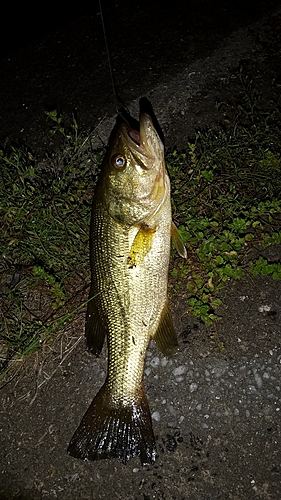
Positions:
(130, 236)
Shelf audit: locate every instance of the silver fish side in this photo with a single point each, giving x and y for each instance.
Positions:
(130, 250)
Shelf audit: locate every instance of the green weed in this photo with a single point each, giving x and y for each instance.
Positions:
(226, 200)
(226, 195)
(45, 215)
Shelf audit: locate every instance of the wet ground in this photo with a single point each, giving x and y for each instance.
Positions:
(216, 415)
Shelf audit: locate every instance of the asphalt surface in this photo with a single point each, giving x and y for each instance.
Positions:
(216, 415)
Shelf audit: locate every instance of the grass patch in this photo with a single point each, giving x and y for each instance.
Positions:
(226, 196)
(226, 191)
(45, 213)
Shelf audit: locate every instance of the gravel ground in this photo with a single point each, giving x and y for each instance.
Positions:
(216, 415)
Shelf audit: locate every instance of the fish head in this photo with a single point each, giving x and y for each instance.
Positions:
(134, 180)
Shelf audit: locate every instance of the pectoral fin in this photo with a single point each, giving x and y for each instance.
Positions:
(94, 329)
(165, 335)
(141, 245)
(178, 241)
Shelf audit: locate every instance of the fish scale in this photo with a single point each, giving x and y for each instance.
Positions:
(133, 295)
(130, 236)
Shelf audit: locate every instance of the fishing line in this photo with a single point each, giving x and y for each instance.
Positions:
(118, 100)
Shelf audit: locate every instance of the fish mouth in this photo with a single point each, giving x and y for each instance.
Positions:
(143, 141)
(134, 135)
(147, 150)
(139, 135)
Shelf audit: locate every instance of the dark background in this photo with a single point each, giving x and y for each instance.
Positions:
(54, 55)
(24, 24)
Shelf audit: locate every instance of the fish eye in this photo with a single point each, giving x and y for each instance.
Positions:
(118, 161)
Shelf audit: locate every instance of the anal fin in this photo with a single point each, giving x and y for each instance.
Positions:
(109, 429)
(94, 329)
(165, 335)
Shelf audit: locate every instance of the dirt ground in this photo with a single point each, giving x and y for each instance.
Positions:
(216, 416)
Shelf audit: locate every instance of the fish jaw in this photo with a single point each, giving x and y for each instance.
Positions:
(133, 181)
(149, 138)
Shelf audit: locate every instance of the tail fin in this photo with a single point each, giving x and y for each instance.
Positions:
(110, 430)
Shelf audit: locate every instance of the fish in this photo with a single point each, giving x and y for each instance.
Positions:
(130, 235)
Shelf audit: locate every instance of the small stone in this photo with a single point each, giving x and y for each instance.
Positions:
(156, 416)
(258, 380)
(264, 308)
(155, 361)
(193, 387)
(179, 370)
